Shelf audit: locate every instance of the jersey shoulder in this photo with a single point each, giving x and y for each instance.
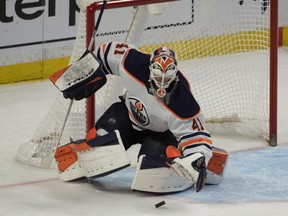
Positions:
(136, 63)
(183, 104)
(111, 55)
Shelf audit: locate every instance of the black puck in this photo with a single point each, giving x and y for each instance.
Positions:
(160, 204)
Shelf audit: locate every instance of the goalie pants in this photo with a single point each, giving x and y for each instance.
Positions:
(153, 143)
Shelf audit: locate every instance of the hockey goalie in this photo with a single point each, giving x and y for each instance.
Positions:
(157, 110)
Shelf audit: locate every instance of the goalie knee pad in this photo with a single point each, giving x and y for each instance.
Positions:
(216, 166)
(96, 157)
(158, 144)
(155, 176)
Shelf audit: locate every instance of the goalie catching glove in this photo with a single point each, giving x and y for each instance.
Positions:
(192, 168)
(81, 79)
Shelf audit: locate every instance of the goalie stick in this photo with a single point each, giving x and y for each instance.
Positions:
(47, 163)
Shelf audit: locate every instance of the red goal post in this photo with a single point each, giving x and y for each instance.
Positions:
(273, 73)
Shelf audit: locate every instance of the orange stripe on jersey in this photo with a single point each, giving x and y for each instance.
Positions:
(199, 140)
(103, 48)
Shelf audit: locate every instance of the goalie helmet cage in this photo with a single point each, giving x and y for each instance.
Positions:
(229, 56)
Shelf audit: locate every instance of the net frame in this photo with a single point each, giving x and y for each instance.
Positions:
(39, 148)
(272, 137)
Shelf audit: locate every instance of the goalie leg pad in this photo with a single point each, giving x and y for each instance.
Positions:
(73, 172)
(96, 157)
(155, 176)
(216, 166)
(105, 157)
(67, 160)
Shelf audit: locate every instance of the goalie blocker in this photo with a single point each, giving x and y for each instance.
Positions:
(80, 79)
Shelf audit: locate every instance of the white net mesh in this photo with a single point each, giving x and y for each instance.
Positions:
(223, 52)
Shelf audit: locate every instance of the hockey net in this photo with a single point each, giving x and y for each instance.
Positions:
(225, 53)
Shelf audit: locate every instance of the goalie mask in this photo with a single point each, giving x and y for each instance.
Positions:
(163, 73)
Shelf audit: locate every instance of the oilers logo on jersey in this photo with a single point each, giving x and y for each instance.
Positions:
(139, 111)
